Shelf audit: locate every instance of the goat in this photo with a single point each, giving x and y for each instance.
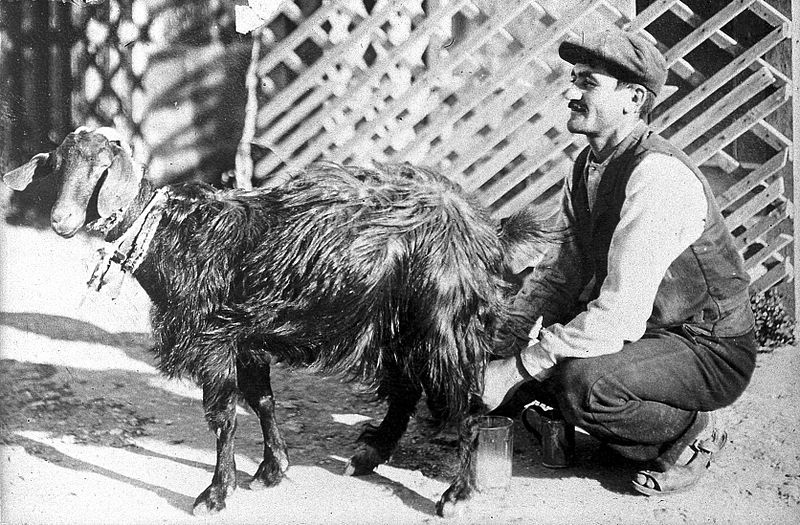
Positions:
(389, 276)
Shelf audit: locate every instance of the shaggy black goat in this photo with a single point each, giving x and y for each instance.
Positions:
(391, 276)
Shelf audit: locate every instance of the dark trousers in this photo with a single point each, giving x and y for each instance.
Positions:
(650, 392)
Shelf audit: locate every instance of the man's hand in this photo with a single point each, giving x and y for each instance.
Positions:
(502, 376)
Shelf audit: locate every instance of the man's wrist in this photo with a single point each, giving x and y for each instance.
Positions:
(534, 362)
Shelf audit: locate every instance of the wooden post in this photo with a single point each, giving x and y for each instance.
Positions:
(244, 161)
(795, 162)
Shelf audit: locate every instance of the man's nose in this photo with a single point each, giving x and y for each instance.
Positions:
(572, 92)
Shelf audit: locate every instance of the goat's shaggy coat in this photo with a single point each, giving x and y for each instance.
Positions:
(391, 277)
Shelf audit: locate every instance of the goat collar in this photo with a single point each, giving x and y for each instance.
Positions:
(131, 247)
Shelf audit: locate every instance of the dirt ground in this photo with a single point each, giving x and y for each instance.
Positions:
(90, 433)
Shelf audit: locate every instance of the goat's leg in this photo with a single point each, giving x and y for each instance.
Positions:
(254, 384)
(220, 407)
(462, 488)
(378, 443)
(437, 406)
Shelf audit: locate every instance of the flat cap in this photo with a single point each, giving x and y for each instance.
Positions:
(629, 57)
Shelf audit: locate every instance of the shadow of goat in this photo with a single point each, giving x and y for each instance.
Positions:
(390, 276)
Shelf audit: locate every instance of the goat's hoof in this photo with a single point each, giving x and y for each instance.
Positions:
(211, 500)
(453, 502)
(363, 462)
(268, 475)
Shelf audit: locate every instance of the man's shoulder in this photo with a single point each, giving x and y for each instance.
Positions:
(663, 169)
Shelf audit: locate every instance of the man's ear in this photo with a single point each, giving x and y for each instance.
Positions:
(638, 98)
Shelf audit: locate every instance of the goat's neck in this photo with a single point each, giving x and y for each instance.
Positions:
(132, 212)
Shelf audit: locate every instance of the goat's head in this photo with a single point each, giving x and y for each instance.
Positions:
(87, 164)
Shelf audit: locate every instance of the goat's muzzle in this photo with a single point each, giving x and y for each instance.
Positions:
(66, 223)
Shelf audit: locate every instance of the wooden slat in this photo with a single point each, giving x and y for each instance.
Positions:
(723, 161)
(709, 27)
(754, 205)
(650, 15)
(771, 136)
(775, 244)
(722, 108)
(722, 76)
(753, 179)
(778, 273)
(742, 124)
(688, 72)
(519, 28)
(764, 226)
(768, 13)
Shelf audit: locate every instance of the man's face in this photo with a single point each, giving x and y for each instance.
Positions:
(597, 104)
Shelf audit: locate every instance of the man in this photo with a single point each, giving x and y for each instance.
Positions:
(665, 333)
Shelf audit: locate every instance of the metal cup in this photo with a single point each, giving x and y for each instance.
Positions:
(556, 436)
(493, 456)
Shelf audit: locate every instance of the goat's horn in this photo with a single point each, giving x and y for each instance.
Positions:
(83, 129)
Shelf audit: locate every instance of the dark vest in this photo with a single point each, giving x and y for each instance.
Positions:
(706, 287)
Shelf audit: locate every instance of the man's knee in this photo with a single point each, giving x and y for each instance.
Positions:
(573, 384)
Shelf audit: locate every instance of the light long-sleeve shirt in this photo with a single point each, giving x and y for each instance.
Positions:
(664, 212)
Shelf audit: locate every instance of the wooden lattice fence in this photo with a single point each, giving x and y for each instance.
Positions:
(474, 88)
(108, 63)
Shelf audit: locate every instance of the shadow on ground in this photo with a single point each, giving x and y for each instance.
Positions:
(115, 408)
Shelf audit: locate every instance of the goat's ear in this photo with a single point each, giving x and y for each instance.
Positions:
(19, 178)
(121, 185)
